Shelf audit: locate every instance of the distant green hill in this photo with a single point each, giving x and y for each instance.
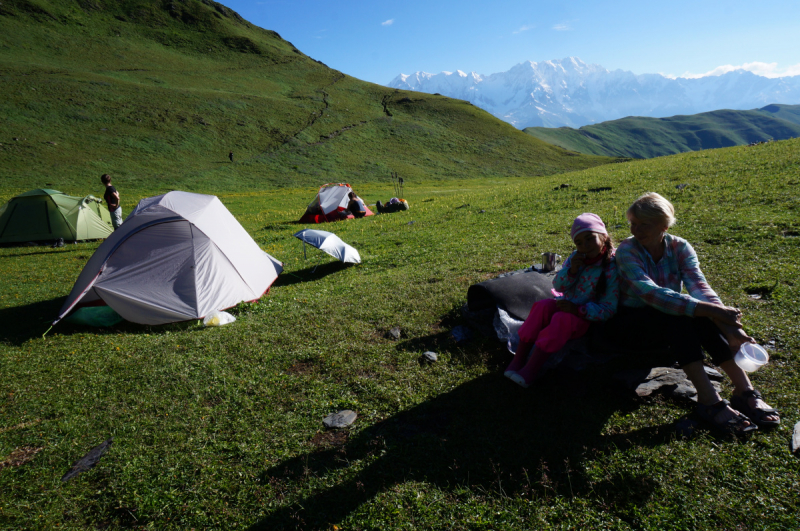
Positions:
(157, 93)
(641, 137)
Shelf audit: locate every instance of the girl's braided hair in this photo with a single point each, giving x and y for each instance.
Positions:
(607, 252)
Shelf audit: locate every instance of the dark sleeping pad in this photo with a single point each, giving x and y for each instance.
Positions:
(515, 293)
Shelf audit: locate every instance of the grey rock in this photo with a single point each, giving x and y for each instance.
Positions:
(713, 374)
(685, 391)
(795, 444)
(668, 380)
(395, 332)
(429, 357)
(340, 419)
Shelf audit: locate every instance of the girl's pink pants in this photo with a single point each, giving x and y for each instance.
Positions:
(549, 328)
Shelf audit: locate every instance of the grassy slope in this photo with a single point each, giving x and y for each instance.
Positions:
(641, 137)
(221, 428)
(157, 94)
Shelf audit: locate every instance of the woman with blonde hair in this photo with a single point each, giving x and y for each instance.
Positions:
(653, 265)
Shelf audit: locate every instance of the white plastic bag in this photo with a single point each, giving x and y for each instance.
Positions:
(218, 319)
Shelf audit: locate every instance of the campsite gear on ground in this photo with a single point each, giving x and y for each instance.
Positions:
(751, 357)
(218, 319)
(741, 403)
(178, 256)
(549, 261)
(58, 243)
(45, 214)
(394, 205)
(397, 181)
(95, 316)
(794, 446)
(330, 204)
(734, 426)
(515, 293)
(330, 243)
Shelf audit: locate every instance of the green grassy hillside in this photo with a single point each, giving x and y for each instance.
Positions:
(221, 428)
(157, 93)
(641, 137)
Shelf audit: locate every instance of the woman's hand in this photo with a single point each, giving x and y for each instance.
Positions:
(576, 263)
(567, 306)
(723, 315)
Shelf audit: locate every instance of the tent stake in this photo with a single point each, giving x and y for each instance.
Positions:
(45, 332)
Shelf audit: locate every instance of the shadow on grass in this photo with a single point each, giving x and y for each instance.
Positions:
(487, 434)
(61, 250)
(287, 278)
(21, 323)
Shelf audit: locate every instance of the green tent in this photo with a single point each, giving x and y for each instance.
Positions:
(45, 214)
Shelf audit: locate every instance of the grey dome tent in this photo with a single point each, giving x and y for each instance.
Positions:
(178, 256)
(45, 214)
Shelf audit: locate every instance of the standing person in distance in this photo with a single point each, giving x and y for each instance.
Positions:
(112, 200)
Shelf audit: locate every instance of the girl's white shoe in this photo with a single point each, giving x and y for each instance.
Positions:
(519, 380)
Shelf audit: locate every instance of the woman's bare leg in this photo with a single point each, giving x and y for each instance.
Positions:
(741, 383)
(706, 394)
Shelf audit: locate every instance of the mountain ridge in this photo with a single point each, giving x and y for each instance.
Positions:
(644, 137)
(569, 92)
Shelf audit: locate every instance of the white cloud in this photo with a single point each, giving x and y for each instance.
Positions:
(561, 27)
(388, 22)
(770, 70)
(526, 27)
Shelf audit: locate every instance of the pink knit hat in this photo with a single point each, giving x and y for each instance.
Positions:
(587, 222)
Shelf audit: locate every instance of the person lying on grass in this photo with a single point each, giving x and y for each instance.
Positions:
(652, 267)
(588, 281)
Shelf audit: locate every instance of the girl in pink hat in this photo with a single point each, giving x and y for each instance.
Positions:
(589, 292)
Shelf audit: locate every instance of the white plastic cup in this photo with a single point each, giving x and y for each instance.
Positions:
(751, 357)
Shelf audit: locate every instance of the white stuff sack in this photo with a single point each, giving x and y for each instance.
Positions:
(218, 319)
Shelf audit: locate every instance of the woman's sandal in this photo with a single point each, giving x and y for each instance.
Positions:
(742, 403)
(734, 426)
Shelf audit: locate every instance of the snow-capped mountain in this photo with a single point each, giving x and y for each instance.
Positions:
(572, 93)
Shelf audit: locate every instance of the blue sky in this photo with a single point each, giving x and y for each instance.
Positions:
(376, 41)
